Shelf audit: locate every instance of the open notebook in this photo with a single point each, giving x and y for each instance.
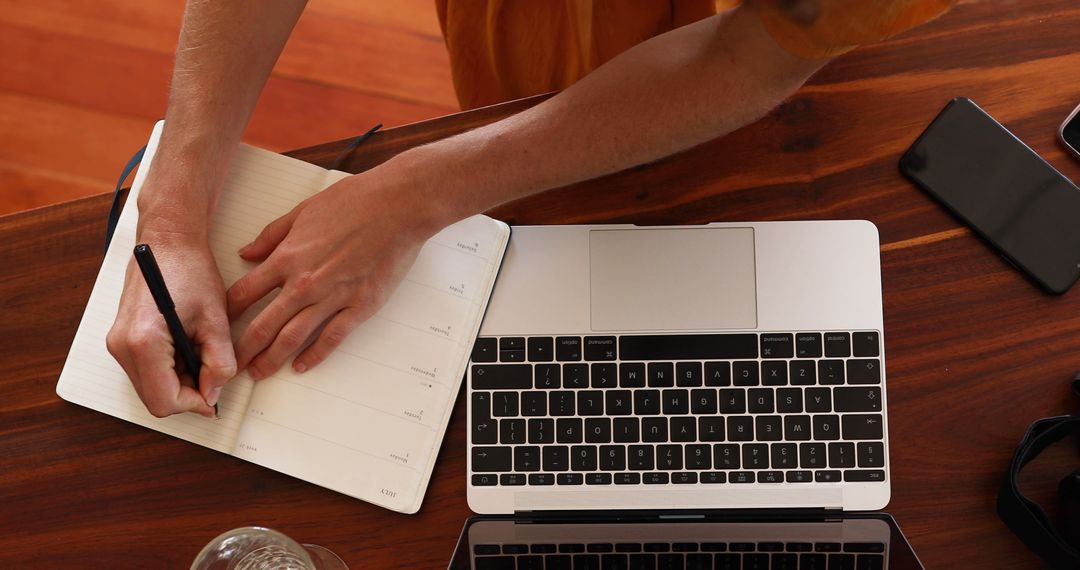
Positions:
(368, 421)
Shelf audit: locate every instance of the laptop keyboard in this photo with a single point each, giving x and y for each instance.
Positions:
(682, 555)
(684, 409)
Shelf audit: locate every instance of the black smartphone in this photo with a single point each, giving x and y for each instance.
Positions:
(1069, 132)
(1003, 190)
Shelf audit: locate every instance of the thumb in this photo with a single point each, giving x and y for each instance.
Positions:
(217, 355)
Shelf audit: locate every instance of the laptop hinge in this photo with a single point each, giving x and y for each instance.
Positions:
(680, 515)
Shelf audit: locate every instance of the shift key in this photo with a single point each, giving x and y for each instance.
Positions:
(502, 376)
(857, 399)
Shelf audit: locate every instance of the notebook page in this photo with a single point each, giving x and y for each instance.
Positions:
(92, 378)
(368, 421)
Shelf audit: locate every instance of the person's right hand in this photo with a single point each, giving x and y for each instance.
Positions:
(140, 340)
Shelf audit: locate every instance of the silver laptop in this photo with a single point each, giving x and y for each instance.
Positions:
(723, 366)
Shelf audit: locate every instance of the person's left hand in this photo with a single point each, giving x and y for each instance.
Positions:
(337, 257)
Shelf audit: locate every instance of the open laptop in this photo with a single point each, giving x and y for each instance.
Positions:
(664, 369)
(731, 541)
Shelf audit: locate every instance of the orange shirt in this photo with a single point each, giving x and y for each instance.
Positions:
(507, 49)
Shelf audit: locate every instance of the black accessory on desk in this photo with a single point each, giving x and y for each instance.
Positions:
(1027, 519)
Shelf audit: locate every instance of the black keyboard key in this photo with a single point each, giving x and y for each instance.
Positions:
(797, 428)
(669, 457)
(728, 561)
(871, 454)
(512, 343)
(800, 476)
(568, 348)
(740, 428)
(484, 430)
(800, 547)
(864, 547)
(775, 345)
(818, 400)
(627, 479)
(612, 458)
(785, 561)
(732, 401)
(486, 549)
(541, 349)
(598, 430)
(870, 562)
(511, 356)
(703, 402)
(785, 455)
(746, 373)
(561, 403)
(688, 347)
(760, 400)
(789, 400)
(628, 546)
(718, 374)
(491, 459)
(484, 479)
(502, 376)
(803, 373)
(827, 428)
(864, 475)
(864, 371)
(713, 478)
(485, 350)
(541, 479)
(837, 344)
(657, 547)
(527, 458)
(741, 477)
(618, 402)
(548, 376)
(841, 562)
(830, 372)
(808, 345)
(530, 563)
(812, 456)
(571, 548)
(534, 403)
(770, 477)
(647, 402)
(661, 374)
(726, 456)
(865, 344)
(755, 456)
(810, 561)
(841, 455)
(654, 478)
(640, 458)
(598, 479)
(683, 429)
(676, 402)
(511, 431)
(575, 376)
(569, 430)
(568, 479)
(774, 373)
(590, 403)
(688, 374)
(602, 348)
(504, 404)
(699, 561)
(583, 458)
(654, 430)
(626, 430)
(556, 458)
(827, 476)
(863, 426)
(604, 375)
(632, 375)
(599, 547)
(698, 457)
(495, 563)
(711, 428)
(769, 428)
(851, 399)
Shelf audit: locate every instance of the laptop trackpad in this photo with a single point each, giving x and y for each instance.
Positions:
(672, 279)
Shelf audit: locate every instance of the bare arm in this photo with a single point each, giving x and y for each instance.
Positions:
(226, 52)
(337, 256)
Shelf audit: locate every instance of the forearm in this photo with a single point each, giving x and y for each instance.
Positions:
(224, 57)
(665, 95)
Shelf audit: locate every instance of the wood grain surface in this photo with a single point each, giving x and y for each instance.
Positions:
(974, 351)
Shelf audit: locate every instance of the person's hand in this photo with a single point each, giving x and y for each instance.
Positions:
(140, 340)
(337, 257)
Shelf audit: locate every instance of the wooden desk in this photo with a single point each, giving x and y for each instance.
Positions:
(974, 351)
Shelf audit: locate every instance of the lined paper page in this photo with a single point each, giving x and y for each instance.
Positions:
(92, 378)
(368, 422)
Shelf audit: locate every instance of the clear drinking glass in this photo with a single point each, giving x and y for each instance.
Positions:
(258, 548)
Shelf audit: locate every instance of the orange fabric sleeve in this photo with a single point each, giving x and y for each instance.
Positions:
(817, 29)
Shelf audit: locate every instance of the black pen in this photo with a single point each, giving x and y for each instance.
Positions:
(152, 274)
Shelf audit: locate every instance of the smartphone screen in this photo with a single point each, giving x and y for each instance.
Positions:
(1001, 188)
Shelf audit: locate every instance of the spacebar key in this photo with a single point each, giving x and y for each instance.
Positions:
(688, 346)
(502, 376)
